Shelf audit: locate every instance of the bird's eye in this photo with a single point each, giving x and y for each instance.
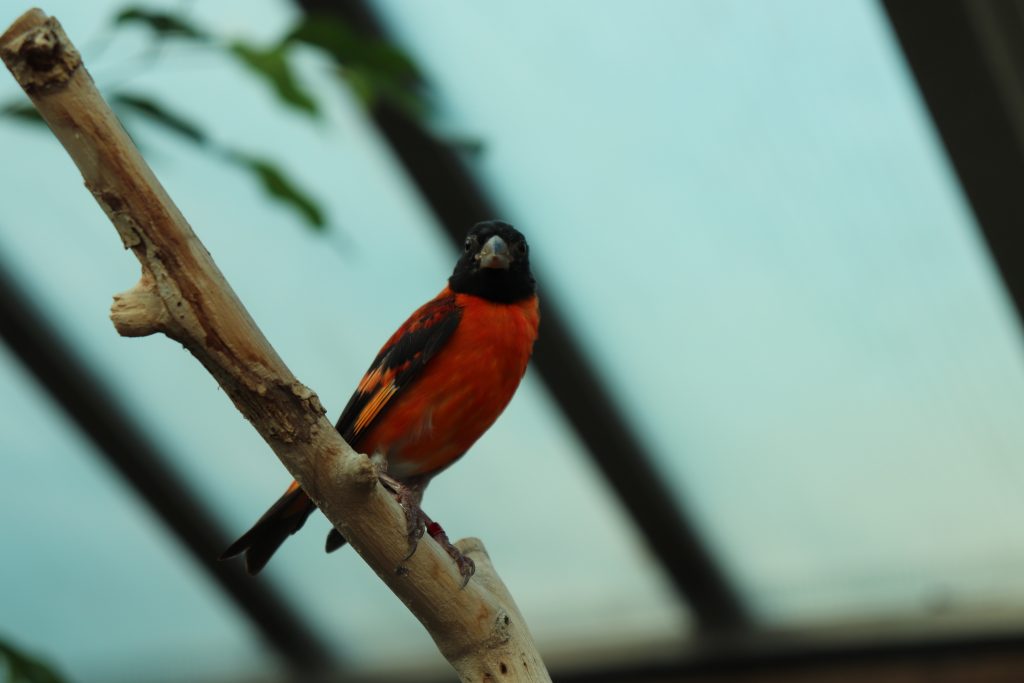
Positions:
(521, 248)
(470, 243)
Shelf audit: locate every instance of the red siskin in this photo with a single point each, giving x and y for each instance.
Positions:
(434, 388)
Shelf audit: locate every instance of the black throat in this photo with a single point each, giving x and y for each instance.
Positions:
(494, 284)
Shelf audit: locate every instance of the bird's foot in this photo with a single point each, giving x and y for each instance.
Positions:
(417, 523)
(409, 497)
(465, 565)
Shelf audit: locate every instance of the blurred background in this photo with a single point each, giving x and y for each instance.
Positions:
(773, 427)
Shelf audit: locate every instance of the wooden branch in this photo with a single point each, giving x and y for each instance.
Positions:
(181, 293)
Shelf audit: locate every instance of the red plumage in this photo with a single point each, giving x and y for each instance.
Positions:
(436, 385)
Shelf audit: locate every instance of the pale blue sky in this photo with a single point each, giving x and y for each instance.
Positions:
(780, 274)
(742, 207)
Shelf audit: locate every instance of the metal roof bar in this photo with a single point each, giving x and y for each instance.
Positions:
(968, 60)
(827, 656)
(119, 439)
(458, 200)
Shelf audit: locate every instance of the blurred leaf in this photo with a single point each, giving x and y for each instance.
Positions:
(22, 668)
(361, 83)
(273, 65)
(371, 88)
(23, 111)
(158, 114)
(348, 47)
(164, 24)
(375, 69)
(282, 188)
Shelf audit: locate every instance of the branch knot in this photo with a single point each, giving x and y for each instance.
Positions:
(140, 311)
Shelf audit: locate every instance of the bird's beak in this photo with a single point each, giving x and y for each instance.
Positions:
(495, 254)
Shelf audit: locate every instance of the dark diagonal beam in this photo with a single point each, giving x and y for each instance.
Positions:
(93, 407)
(968, 61)
(458, 200)
(968, 657)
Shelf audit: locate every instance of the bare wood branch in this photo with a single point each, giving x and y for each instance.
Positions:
(182, 293)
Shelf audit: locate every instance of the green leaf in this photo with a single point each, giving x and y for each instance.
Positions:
(159, 114)
(21, 668)
(272, 64)
(22, 111)
(164, 24)
(362, 85)
(280, 187)
(372, 87)
(375, 69)
(348, 47)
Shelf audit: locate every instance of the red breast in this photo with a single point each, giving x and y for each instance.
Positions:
(461, 392)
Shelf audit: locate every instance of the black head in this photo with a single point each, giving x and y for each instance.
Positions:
(495, 264)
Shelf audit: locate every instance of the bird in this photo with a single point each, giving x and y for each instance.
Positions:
(438, 383)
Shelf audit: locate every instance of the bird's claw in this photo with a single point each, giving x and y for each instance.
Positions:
(465, 565)
(417, 523)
